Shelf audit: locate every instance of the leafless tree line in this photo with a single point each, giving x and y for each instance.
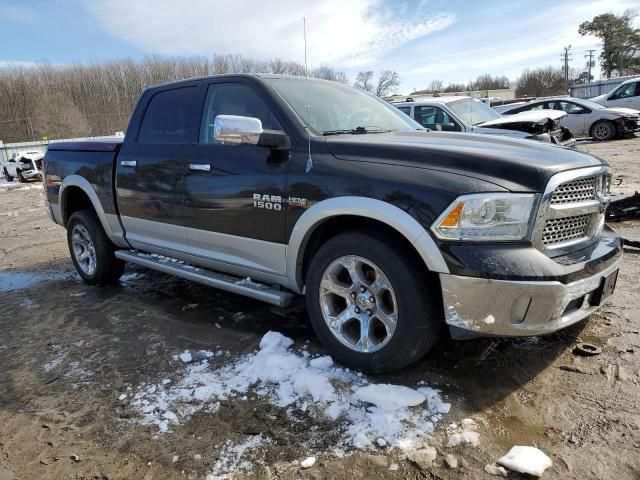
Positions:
(97, 99)
(482, 82)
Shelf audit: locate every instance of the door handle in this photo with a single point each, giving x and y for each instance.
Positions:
(128, 163)
(200, 167)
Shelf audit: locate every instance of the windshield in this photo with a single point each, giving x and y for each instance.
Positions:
(590, 104)
(336, 108)
(472, 111)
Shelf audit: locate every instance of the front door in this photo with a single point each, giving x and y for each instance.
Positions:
(576, 119)
(150, 172)
(627, 96)
(235, 194)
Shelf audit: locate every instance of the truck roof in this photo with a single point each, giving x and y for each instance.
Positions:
(236, 75)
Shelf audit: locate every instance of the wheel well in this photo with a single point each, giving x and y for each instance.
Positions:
(348, 223)
(74, 199)
(613, 124)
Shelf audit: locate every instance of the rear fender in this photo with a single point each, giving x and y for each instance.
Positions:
(110, 222)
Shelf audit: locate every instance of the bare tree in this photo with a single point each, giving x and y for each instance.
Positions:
(364, 81)
(97, 99)
(489, 82)
(541, 82)
(329, 73)
(387, 81)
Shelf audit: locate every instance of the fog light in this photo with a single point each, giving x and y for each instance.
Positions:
(519, 309)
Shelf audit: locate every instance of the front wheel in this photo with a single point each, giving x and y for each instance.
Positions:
(7, 177)
(603, 130)
(91, 251)
(21, 179)
(372, 305)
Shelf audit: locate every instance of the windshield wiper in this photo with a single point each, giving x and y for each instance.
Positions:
(355, 131)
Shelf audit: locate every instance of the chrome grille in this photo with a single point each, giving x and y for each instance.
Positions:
(571, 212)
(576, 191)
(566, 229)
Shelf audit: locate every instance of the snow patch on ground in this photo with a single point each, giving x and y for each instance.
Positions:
(368, 415)
(530, 460)
(53, 364)
(464, 434)
(232, 456)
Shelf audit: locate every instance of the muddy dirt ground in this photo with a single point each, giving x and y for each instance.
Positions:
(68, 350)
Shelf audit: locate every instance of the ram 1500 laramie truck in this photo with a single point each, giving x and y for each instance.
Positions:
(316, 188)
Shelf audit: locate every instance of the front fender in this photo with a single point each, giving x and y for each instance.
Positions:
(365, 207)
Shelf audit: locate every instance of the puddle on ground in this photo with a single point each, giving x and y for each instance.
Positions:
(10, 281)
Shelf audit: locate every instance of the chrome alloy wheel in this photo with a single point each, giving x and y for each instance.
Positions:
(83, 249)
(602, 131)
(358, 303)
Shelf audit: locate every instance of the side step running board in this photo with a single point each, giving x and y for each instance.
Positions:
(248, 288)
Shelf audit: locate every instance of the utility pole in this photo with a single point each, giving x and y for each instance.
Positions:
(590, 63)
(566, 57)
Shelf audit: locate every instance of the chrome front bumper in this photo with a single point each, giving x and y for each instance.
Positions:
(485, 307)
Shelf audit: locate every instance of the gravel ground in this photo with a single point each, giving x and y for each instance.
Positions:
(68, 352)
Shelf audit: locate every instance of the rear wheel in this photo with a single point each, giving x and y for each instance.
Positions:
(91, 251)
(373, 306)
(603, 130)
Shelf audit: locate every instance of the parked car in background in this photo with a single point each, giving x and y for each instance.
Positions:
(586, 118)
(26, 165)
(466, 114)
(626, 95)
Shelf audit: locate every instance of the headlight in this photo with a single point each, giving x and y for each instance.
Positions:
(486, 216)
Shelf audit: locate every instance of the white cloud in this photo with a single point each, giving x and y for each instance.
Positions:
(341, 32)
(504, 47)
(16, 63)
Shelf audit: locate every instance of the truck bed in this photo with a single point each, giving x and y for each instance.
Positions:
(93, 161)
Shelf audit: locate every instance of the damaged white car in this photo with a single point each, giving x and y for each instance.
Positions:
(466, 114)
(26, 165)
(585, 118)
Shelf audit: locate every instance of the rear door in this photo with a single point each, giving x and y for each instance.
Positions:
(151, 167)
(235, 194)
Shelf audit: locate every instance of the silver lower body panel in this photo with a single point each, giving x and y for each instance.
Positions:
(486, 307)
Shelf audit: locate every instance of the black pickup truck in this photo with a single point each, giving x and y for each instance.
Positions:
(271, 187)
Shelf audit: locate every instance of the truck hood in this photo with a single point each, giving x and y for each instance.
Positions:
(517, 165)
(538, 117)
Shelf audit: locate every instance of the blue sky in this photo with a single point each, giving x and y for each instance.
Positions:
(422, 40)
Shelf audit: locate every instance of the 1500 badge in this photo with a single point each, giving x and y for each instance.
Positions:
(275, 202)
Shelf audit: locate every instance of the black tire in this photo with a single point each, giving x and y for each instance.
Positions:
(7, 177)
(21, 179)
(603, 130)
(108, 269)
(418, 302)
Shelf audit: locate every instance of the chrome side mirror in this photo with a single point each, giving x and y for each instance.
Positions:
(234, 129)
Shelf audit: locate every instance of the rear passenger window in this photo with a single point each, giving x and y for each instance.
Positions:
(233, 99)
(167, 116)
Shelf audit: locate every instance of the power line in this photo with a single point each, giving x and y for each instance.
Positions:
(590, 63)
(566, 58)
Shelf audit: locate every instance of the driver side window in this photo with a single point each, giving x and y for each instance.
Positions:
(233, 99)
(625, 91)
(433, 118)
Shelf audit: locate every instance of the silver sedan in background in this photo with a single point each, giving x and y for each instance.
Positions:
(585, 118)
